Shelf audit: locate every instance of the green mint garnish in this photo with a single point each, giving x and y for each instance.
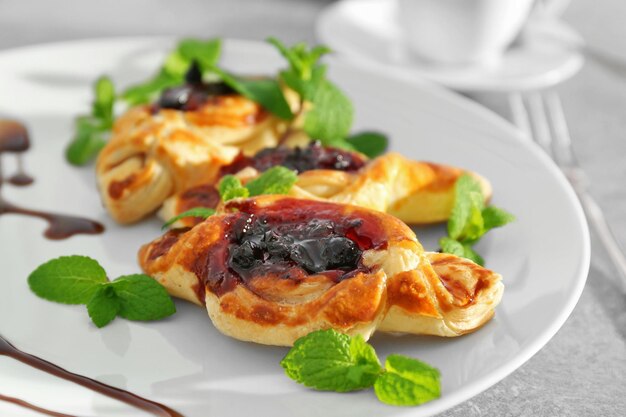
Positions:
(230, 187)
(331, 115)
(330, 361)
(407, 382)
(103, 306)
(327, 360)
(68, 279)
(470, 219)
(266, 92)
(142, 298)
(93, 130)
(203, 212)
(371, 144)
(172, 73)
(330, 118)
(81, 280)
(276, 180)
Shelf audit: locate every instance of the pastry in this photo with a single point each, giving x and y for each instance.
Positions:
(179, 142)
(271, 269)
(415, 192)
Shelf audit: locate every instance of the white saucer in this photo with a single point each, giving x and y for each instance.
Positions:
(367, 31)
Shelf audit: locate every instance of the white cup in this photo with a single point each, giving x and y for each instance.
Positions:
(461, 32)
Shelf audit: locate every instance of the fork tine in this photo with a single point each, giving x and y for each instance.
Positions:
(539, 120)
(519, 114)
(562, 140)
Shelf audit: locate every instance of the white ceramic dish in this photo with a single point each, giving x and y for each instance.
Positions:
(183, 361)
(368, 32)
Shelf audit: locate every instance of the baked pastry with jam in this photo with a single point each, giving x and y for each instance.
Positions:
(415, 192)
(179, 142)
(271, 269)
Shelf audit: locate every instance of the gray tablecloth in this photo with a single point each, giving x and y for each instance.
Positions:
(582, 371)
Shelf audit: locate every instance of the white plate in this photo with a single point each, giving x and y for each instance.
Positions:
(183, 361)
(367, 31)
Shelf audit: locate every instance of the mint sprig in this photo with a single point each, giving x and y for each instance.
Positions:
(230, 187)
(205, 53)
(370, 144)
(203, 212)
(327, 360)
(81, 280)
(330, 117)
(276, 180)
(265, 91)
(92, 130)
(407, 381)
(330, 361)
(470, 219)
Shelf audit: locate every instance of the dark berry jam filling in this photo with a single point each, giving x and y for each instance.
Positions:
(193, 94)
(313, 156)
(199, 196)
(190, 97)
(290, 239)
(315, 246)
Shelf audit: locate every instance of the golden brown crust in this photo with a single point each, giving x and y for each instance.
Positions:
(401, 288)
(153, 154)
(415, 192)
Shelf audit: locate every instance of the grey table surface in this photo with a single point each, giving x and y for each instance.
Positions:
(582, 370)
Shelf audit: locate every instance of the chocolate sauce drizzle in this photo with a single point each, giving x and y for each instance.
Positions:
(14, 139)
(7, 349)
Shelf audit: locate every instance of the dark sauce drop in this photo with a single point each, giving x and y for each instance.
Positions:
(313, 156)
(14, 139)
(290, 239)
(60, 226)
(20, 179)
(7, 349)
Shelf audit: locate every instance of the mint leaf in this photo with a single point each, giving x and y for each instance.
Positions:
(230, 187)
(407, 382)
(68, 279)
(468, 199)
(205, 53)
(371, 144)
(266, 92)
(496, 217)
(90, 138)
(331, 115)
(276, 180)
(302, 60)
(172, 73)
(470, 219)
(472, 255)
(149, 90)
(452, 246)
(203, 212)
(331, 361)
(104, 101)
(93, 130)
(103, 306)
(142, 298)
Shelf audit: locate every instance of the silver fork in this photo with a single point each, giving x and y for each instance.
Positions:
(541, 117)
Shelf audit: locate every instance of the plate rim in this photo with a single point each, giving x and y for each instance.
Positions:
(479, 385)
